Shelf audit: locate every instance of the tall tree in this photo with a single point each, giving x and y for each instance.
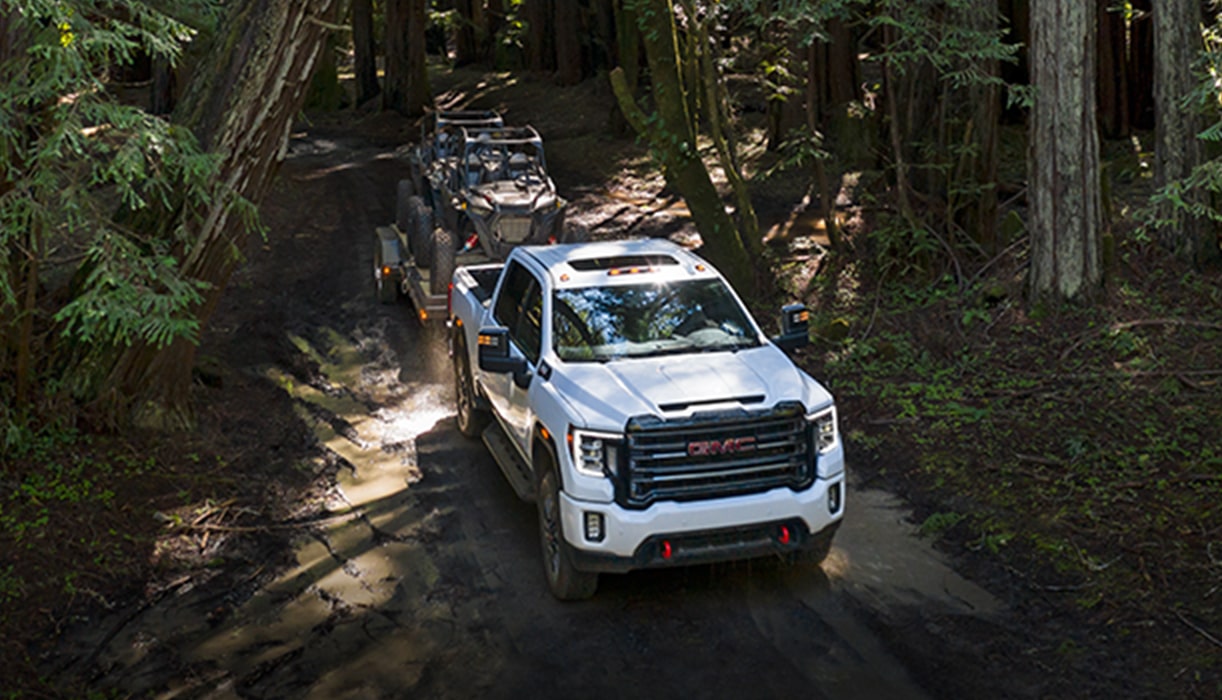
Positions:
(470, 36)
(1177, 150)
(1063, 179)
(406, 87)
(76, 282)
(1140, 68)
(1113, 78)
(540, 33)
(568, 35)
(671, 134)
(364, 51)
(240, 107)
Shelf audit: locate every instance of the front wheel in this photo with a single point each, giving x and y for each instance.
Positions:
(565, 582)
(471, 420)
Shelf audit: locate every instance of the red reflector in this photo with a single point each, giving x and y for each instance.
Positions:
(783, 538)
(666, 549)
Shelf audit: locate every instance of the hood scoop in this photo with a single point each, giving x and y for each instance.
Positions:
(745, 400)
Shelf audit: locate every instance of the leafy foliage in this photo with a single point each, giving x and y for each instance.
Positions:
(79, 168)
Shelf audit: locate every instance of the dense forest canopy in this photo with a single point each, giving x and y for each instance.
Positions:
(122, 222)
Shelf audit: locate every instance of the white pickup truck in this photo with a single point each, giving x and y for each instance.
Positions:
(625, 389)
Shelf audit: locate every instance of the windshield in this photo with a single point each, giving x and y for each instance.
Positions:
(598, 324)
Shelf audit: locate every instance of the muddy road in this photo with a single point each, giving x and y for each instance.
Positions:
(417, 573)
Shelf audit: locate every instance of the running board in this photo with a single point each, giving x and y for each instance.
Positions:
(516, 471)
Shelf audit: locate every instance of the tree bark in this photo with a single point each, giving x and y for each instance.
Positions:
(980, 163)
(469, 37)
(364, 50)
(1063, 180)
(568, 35)
(540, 47)
(1113, 79)
(1177, 150)
(406, 87)
(1141, 66)
(240, 107)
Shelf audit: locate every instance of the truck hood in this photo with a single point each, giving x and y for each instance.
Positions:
(672, 386)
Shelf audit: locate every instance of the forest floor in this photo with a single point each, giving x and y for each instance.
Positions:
(1069, 460)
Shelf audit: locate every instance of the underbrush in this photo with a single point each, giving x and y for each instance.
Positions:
(1078, 448)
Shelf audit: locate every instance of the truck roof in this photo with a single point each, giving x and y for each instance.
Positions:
(619, 262)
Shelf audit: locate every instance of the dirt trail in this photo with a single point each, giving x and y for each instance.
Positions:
(421, 576)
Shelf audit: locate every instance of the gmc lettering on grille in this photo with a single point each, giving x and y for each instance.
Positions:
(708, 448)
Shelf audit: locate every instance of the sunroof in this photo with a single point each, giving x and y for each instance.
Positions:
(619, 261)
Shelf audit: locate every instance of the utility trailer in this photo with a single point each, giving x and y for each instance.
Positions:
(397, 273)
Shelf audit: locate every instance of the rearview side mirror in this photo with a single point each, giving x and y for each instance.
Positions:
(494, 352)
(795, 327)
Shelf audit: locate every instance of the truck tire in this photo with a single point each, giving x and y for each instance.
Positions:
(385, 288)
(403, 195)
(471, 419)
(565, 582)
(575, 233)
(443, 261)
(420, 232)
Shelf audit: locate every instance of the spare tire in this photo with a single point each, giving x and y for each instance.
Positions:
(443, 260)
(420, 232)
(403, 195)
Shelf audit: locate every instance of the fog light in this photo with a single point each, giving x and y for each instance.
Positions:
(833, 498)
(594, 527)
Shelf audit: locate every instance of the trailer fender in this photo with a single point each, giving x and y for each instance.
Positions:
(389, 247)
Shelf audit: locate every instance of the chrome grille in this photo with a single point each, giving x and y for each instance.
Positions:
(514, 229)
(715, 455)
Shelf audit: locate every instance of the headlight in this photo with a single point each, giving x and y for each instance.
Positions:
(827, 433)
(595, 454)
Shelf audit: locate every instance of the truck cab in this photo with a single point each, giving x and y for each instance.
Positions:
(624, 387)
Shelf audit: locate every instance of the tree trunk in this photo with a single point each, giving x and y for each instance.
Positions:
(980, 163)
(673, 139)
(1113, 78)
(1063, 181)
(468, 39)
(540, 48)
(406, 87)
(1141, 66)
(1177, 150)
(364, 50)
(568, 42)
(240, 107)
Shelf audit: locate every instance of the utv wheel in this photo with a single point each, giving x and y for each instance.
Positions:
(403, 195)
(443, 261)
(565, 582)
(420, 232)
(471, 420)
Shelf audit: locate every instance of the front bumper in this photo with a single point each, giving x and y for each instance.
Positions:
(776, 521)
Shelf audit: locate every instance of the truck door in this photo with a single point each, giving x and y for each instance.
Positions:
(519, 308)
